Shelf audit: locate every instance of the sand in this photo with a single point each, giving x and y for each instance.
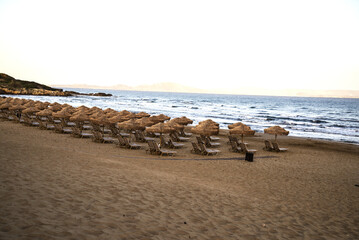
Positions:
(54, 186)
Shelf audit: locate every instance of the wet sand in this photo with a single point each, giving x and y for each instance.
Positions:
(54, 186)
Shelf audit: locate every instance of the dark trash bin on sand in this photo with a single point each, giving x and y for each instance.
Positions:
(249, 157)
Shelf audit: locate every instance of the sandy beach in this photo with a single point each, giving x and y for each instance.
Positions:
(55, 186)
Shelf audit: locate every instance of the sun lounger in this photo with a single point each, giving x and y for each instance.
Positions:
(77, 132)
(211, 138)
(206, 151)
(98, 137)
(268, 146)
(174, 136)
(155, 149)
(245, 149)
(59, 129)
(182, 133)
(277, 148)
(235, 147)
(196, 148)
(125, 142)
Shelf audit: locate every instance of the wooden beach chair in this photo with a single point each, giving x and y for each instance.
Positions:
(235, 147)
(268, 146)
(77, 132)
(196, 149)
(173, 144)
(245, 149)
(182, 133)
(155, 149)
(174, 136)
(59, 129)
(126, 143)
(140, 137)
(211, 138)
(210, 144)
(277, 148)
(98, 137)
(206, 151)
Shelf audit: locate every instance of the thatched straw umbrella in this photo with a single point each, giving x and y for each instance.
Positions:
(44, 113)
(159, 118)
(116, 119)
(142, 115)
(205, 129)
(5, 106)
(243, 130)
(124, 112)
(182, 120)
(17, 107)
(175, 125)
(129, 125)
(101, 120)
(144, 122)
(209, 122)
(80, 118)
(65, 114)
(55, 107)
(160, 128)
(31, 110)
(276, 130)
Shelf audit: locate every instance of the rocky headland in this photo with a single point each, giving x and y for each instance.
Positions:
(10, 85)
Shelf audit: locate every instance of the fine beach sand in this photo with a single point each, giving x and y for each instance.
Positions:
(54, 186)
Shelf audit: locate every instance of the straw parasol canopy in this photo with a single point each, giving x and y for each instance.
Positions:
(142, 115)
(175, 125)
(5, 106)
(44, 113)
(80, 117)
(124, 112)
(31, 110)
(62, 114)
(160, 128)
(17, 107)
(116, 119)
(210, 122)
(144, 122)
(159, 118)
(182, 120)
(231, 126)
(242, 130)
(102, 120)
(276, 130)
(129, 125)
(206, 128)
(55, 107)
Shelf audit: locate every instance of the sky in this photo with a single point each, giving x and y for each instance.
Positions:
(206, 44)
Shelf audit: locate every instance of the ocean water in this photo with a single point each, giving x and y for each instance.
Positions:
(319, 118)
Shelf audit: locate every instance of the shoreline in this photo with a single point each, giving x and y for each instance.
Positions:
(57, 186)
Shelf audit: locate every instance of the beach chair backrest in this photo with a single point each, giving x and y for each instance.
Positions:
(202, 147)
(275, 146)
(199, 140)
(243, 147)
(234, 146)
(121, 140)
(268, 145)
(196, 148)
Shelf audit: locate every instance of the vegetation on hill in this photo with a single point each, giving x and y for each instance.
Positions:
(10, 85)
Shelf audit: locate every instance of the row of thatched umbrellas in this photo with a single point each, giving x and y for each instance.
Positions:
(125, 119)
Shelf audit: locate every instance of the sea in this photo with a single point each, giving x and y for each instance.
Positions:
(335, 119)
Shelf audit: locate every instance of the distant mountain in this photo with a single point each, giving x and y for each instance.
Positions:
(158, 87)
(175, 87)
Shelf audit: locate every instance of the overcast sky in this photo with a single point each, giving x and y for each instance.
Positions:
(207, 44)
